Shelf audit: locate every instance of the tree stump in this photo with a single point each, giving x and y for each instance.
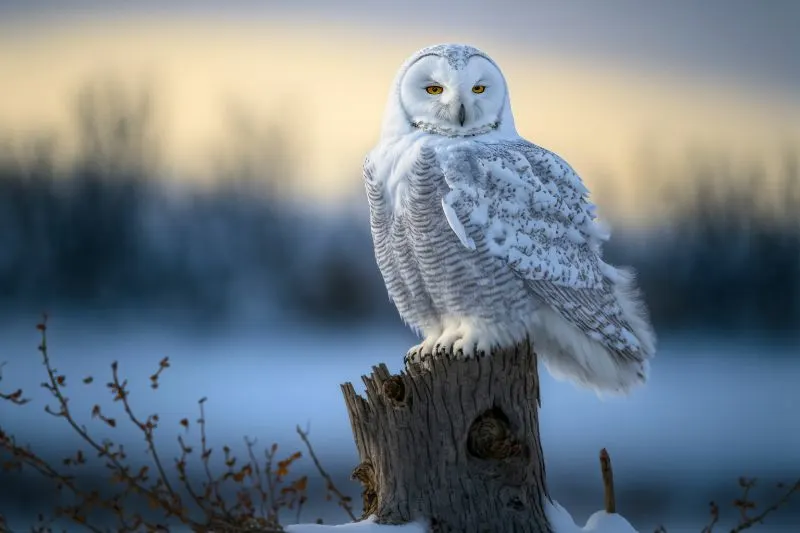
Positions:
(455, 444)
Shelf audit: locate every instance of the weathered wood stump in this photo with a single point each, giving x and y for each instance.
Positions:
(456, 444)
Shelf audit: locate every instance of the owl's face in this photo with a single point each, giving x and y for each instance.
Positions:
(467, 99)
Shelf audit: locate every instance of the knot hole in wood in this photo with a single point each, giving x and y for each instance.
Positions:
(365, 474)
(490, 437)
(395, 389)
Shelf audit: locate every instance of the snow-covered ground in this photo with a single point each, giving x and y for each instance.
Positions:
(560, 520)
(712, 411)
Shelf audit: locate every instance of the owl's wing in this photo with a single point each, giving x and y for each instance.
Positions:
(527, 206)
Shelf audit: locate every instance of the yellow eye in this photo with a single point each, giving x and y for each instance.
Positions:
(434, 89)
(478, 89)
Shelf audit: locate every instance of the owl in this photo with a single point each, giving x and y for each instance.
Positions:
(485, 240)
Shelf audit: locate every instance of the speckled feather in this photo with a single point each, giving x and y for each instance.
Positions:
(531, 209)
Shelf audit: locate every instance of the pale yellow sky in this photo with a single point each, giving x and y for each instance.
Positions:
(328, 86)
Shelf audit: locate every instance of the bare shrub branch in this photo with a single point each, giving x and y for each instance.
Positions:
(745, 505)
(344, 501)
(261, 492)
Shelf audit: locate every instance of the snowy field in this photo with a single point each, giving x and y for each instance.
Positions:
(711, 412)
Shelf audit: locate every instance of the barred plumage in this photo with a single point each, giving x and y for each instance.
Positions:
(484, 239)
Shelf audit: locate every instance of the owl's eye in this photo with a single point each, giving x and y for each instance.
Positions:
(478, 89)
(434, 89)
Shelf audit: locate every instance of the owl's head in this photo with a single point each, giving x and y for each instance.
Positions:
(451, 90)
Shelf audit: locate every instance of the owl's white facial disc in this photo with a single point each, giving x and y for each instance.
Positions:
(462, 100)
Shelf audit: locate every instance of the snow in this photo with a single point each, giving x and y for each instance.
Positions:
(600, 522)
(560, 520)
(364, 526)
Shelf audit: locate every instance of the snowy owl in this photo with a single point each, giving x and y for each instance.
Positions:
(484, 239)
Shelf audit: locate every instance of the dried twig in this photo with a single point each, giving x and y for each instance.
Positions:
(344, 501)
(258, 485)
(743, 504)
(13, 397)
(714, 510)
(609, 499)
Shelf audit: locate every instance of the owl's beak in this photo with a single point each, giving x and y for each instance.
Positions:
(462, 114)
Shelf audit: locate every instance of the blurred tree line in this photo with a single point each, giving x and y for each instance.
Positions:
(106, 232)
(727, 255)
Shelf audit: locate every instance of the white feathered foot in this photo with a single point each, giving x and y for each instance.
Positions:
(463, 339)
(424, 350)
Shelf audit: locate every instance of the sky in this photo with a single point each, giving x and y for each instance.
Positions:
(600, 83)
(743, 38)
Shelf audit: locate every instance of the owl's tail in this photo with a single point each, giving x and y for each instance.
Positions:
(570, 354)
(634, 310)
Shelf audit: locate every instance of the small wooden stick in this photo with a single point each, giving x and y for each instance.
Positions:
(608, 482)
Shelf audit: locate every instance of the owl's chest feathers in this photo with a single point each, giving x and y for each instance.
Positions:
(407, 189)
(411, 195)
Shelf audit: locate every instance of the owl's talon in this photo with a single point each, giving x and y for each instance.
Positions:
(412, 356)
